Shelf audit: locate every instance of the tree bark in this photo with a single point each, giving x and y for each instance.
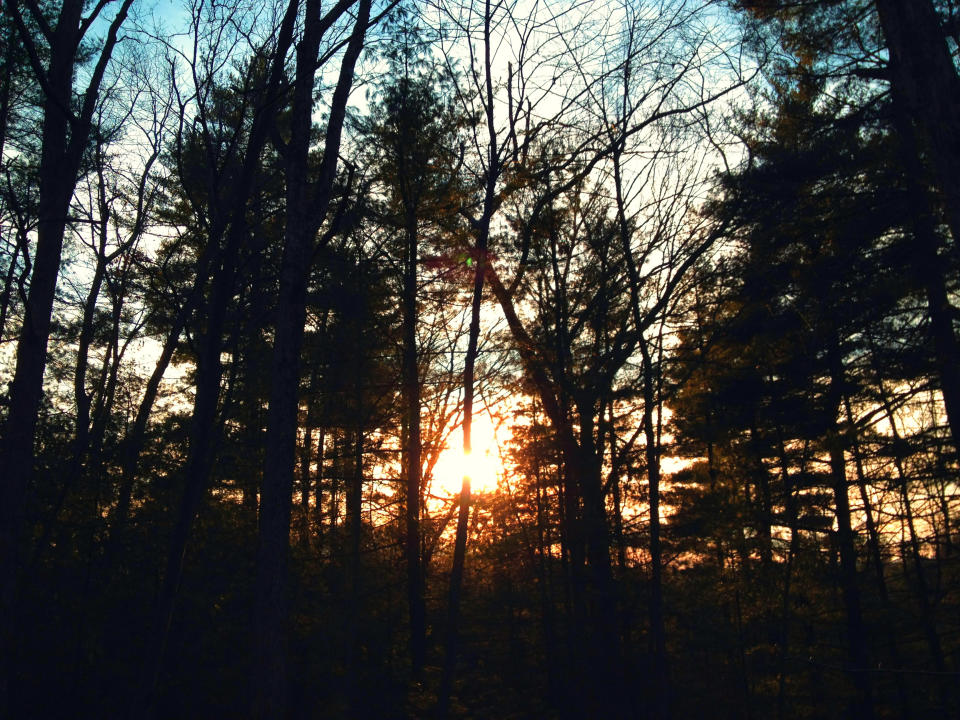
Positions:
(482, 235)
(81, 397)
(306, 459)
(652, 450)
(318, 488)
(927, 610)
(135, 438)
(873, 545)
(355, 611)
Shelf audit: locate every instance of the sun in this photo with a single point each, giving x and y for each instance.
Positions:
(482, 465)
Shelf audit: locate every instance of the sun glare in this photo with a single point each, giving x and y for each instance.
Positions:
(482, 465)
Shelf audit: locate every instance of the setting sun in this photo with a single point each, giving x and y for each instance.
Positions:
(482, 465)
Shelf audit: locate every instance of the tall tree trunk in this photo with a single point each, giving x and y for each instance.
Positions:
(765, 514)
(82, 399)
(482, 235)
(26, 389)
(355, 509)
(460, 542)
(10, 61)
(228, 227)
(657, 625)
(453, 601)
(203, 438)
(336, 478)
(790, 502)
(856, 632)
(106, 392)
(318, 488)
(545, 574)
(921, 588)
(307, 205)
(924, 78)
(413, 460)
(276, 491)
(873, 545)
(6, 293)
(64, 137)
(254, 370)
(602, 663)
(926, 93)
(136, 436)
(355, 611)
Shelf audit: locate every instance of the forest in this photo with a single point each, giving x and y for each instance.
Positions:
(485, 359)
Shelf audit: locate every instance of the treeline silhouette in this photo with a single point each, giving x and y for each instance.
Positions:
(264, 264)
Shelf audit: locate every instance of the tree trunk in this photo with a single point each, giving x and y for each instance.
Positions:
(228, 227)
(63, 139)
(460, 543)
(873, 545)
(203, 438)
(307, 205)
(926, 93)
(453, 602)
(306, 459)
(924, 78)
(790, 502)
(413, 461)
(134, 440)
(921, 589)
(6, 81)
(26, 389)
(765, 514)
(355, 611)
(6, 294)
(318, 488)
(81, 397)
(856, 633)
(547, 611)
(657, 625)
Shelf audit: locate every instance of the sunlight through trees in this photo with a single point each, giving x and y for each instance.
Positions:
(479, 359)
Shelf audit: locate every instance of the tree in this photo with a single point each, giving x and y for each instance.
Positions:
(574, 390)
(414, 143)
(721, 395)
(20, 109)
(65, 133)
(307, 203)
(867, 50)
(820, 269)
(219, 157)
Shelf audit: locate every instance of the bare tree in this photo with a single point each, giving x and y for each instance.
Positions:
(542, 138)
(308, 198)
(66, 130)
(230, 160)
